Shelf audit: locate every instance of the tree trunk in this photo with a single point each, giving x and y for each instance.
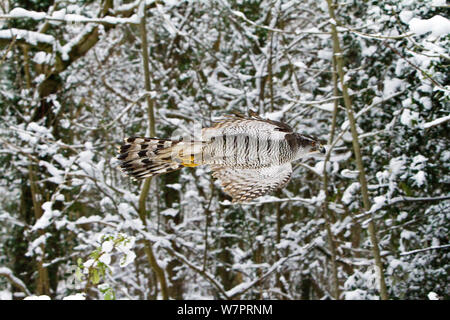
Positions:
(356, 148)
(146, 186)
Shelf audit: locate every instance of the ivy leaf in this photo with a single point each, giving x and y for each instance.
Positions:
(95, 277)
(109, 294)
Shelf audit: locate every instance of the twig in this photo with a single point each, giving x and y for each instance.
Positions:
(425, 249)
(416, 67)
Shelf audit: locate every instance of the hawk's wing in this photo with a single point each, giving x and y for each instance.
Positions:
(252, 125)
(247, 184)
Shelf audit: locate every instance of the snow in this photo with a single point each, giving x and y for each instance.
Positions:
(325, 54)
(89, 263)
(436, 122)
(5, 295)
(300, 64)
(29, 36)
(42, 297)
(408, 117)
(396, 166)
(349, 193)
(57, 176)
(22, 13)
(419, 161)
(203, 66)
(87, 220)
(45, 220)
(393, 85)
(77, 296)
(402, 216)
(175, 186)
(105, 258)
(215, 84)
(238, 288)
(8, 272)
(369, 51)
(319, 167)
(439, 3)
(406, 16)
(433, 296)
(170, 212)
(107, 246)
(59, 14)
(419, 178)
(42, 57)
(357, 294)
(326, 106)
(350, 174)
(379, 202)
(85, 156)
(126, 210)
(437, 25)
(134, 19)
(66, 49)
(41, 130)
(127, 259)
(62, 16)
(407, 235)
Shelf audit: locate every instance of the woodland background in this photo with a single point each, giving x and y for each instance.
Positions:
(370, 220)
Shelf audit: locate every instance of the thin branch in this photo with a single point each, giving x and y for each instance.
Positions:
(71, 18)
(424, 73)
(401, 199)
(244, 287)
(296, 32)
(199, 270)
(425, 249)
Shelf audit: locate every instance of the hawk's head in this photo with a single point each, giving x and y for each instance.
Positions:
(309, 144)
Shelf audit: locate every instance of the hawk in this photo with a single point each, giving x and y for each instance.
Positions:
(249, 155)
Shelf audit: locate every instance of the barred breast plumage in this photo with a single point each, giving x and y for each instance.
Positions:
(246, 151)
(251, 156)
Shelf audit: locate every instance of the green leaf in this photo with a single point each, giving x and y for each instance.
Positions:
(78, 274)
(109, 294)
(95, 277)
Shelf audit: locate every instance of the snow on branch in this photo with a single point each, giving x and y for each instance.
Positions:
(26, 36)
(199, 270)
(245, 286)
(425, 249)
(242, 16)
(437, 25)
(436, 122)
(383, 203)
(16, 282)
(61, 16)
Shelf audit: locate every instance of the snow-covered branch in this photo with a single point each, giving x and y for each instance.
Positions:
(16, 282)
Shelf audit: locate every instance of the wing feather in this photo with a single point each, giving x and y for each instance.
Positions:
(252, 125)
(248, 184)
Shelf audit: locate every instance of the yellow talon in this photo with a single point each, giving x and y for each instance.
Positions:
(189, 162)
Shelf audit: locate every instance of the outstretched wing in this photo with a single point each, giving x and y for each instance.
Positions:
(247, 184)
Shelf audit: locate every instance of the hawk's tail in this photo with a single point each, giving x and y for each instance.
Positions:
(148, 157)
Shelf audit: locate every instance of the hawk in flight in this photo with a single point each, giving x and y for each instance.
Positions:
(251, 156)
